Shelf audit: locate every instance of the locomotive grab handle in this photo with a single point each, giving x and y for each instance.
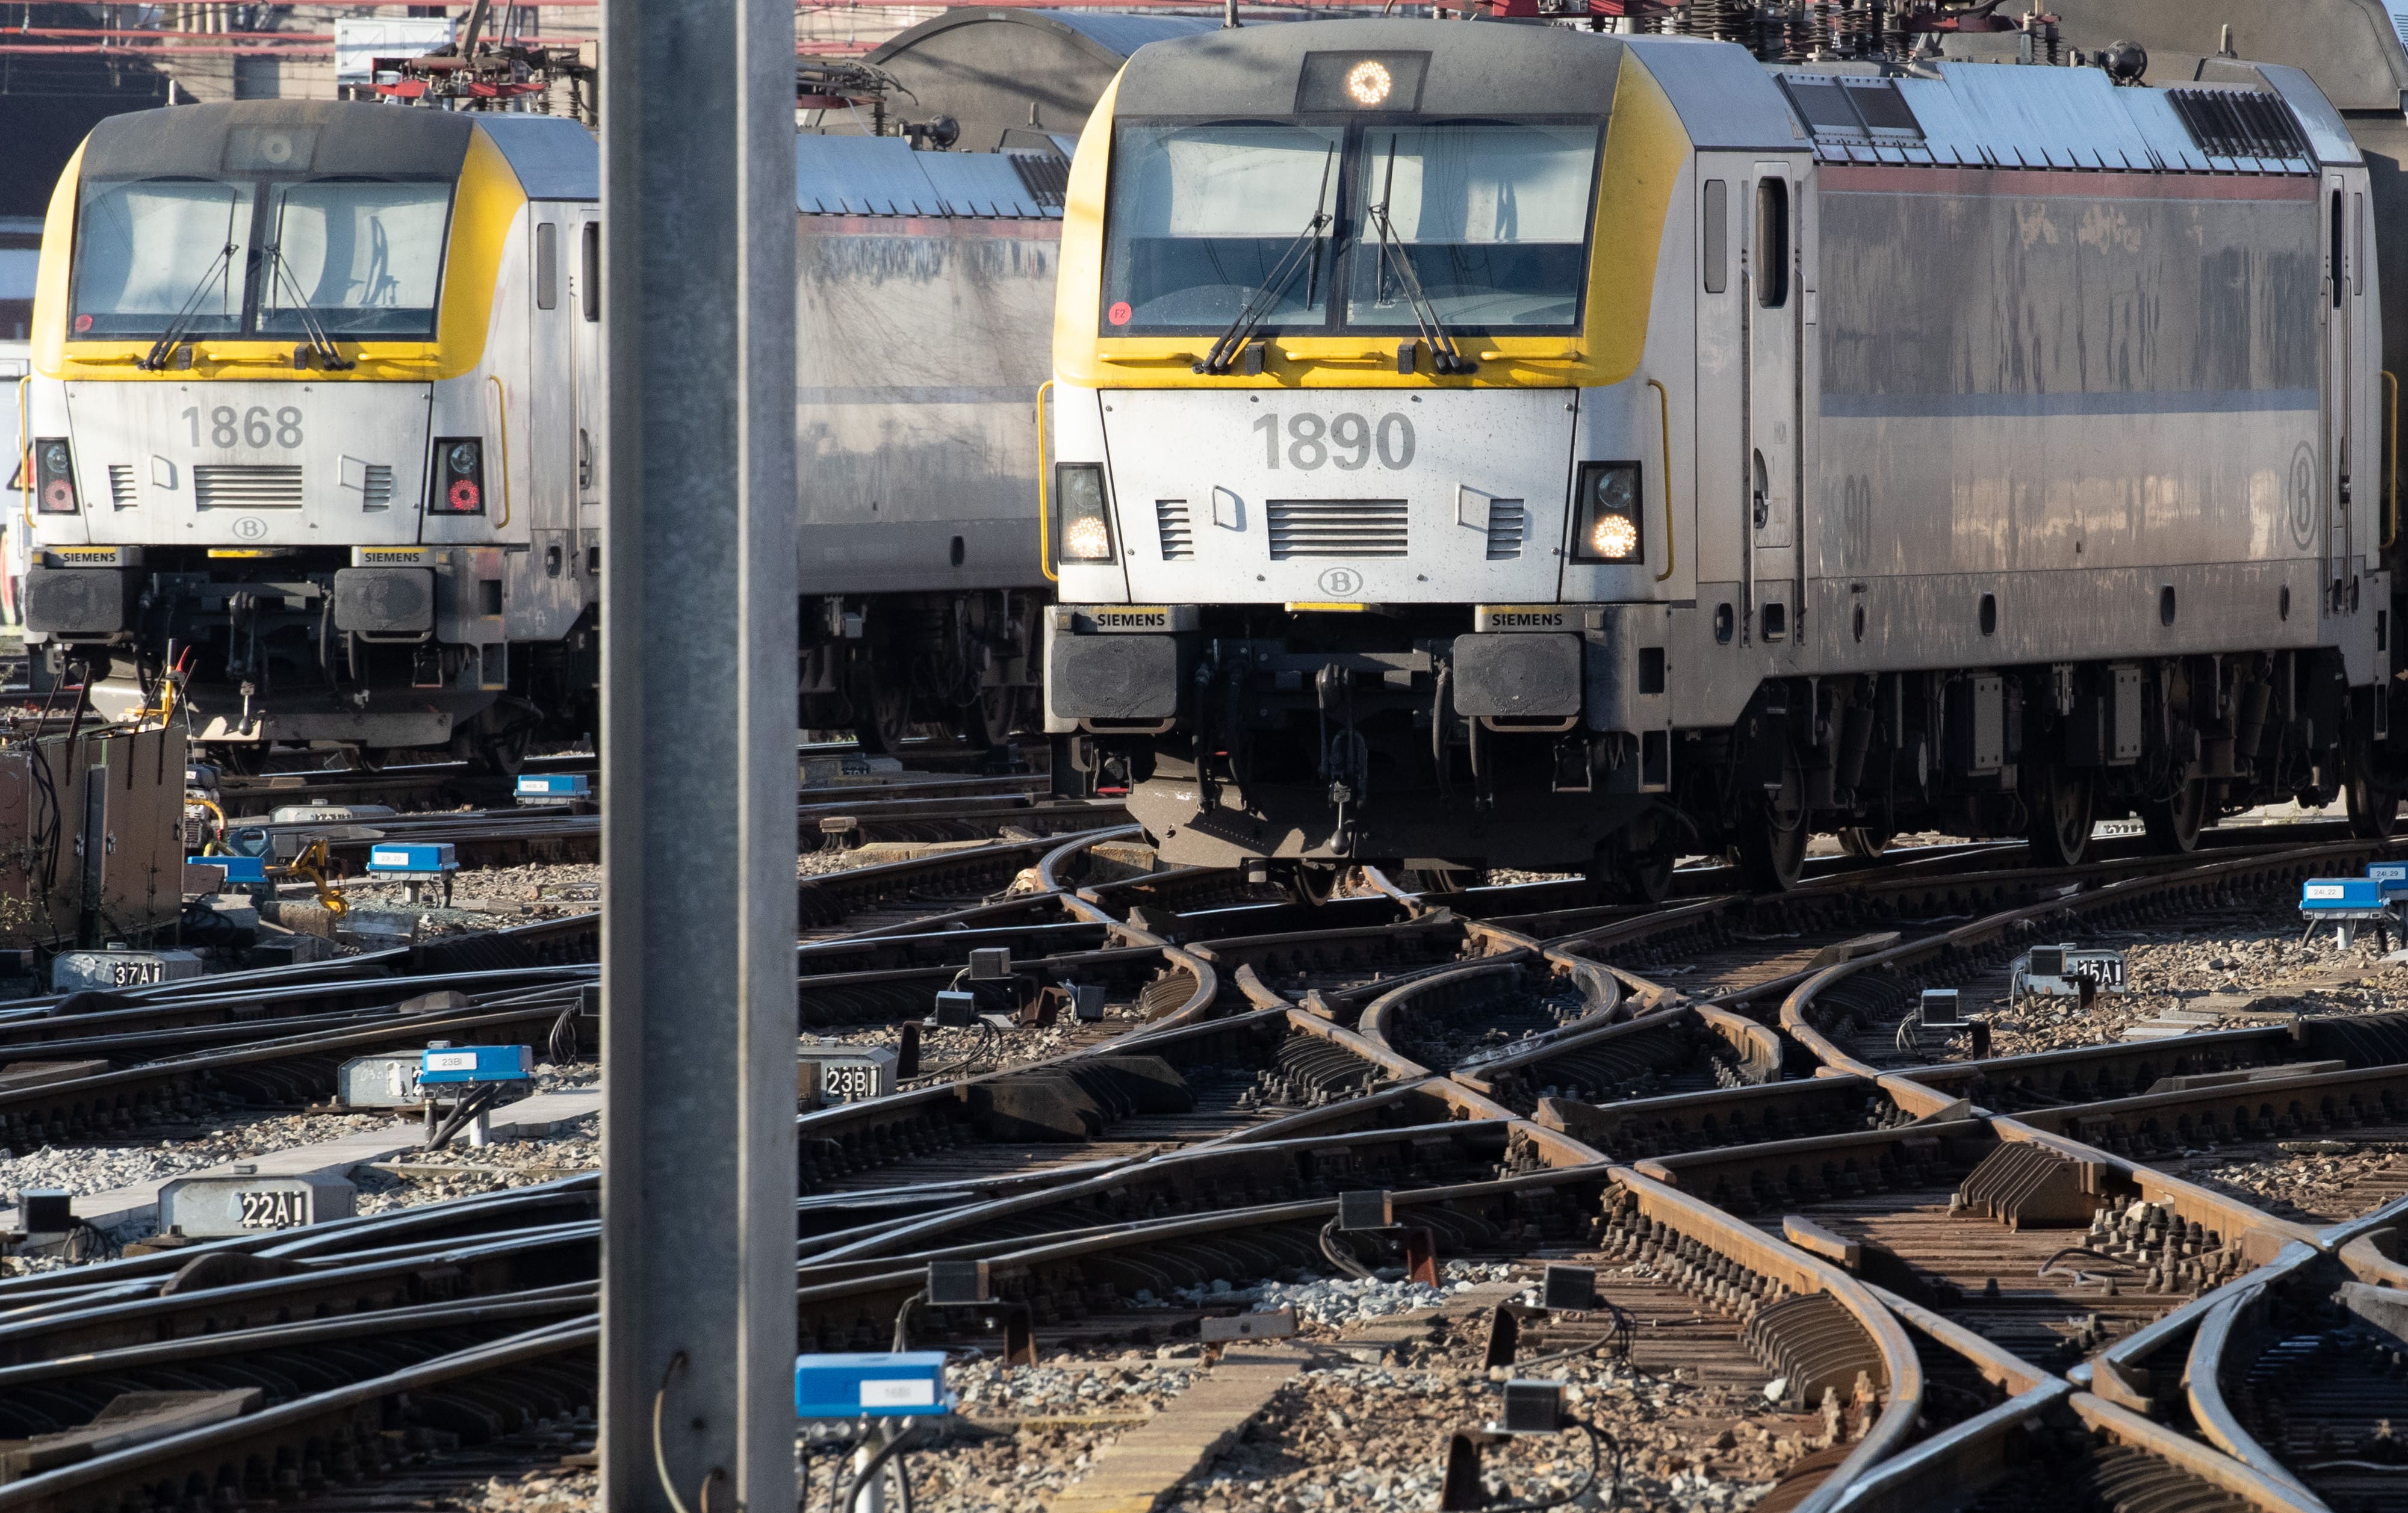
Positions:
(1044, 527)
(502, 403)
(25, 456)
(1664, 416)
(2391, 462)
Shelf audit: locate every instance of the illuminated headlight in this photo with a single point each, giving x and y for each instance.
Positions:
(1086, 524)
(1607, 515)
(459, 478)
(1369, 82)
(54, 486)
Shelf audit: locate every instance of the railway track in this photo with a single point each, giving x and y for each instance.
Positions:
(1844, 1270)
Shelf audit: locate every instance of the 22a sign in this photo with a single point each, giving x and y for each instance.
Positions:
(273, 1210)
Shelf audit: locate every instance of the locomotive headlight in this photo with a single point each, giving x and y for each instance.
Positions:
(459, 480)
(1086, 524)
(1369, 82)
(1606, 514)
(54, 485)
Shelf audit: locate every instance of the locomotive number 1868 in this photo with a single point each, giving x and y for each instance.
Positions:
(1348, 439)
(257, 427)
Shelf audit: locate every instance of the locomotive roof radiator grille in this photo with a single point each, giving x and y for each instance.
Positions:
(247, 485)
(1507, 521)
(1177, 534)
(120, 485)
(1336, 528)
(2240, 124)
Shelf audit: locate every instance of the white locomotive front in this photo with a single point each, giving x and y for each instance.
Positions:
(314, 424)
(1513, 445)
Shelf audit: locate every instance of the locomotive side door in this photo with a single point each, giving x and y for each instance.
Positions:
(585, 380)
(2342, 465)
(1772, 303)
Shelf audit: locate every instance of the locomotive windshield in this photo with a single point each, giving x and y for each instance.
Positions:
(1203, 214)
(358, 257)
(1487, 219)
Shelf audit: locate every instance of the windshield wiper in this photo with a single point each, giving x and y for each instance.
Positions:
(162, 351)
(1303, 251)
(281, 275)
(1445, 357)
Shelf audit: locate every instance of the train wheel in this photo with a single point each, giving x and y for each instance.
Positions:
(2373, 810)
(1437, 879)
(991, 721)
(1771, 848)
(502, 753)
(2060, 801)
(1314, 882)
(889, 711)
(1865, 842)
(2173, 824)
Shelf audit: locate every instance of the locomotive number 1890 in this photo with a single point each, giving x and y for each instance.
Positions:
(1348, 439)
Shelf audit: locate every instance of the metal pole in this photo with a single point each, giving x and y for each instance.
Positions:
(698, 756)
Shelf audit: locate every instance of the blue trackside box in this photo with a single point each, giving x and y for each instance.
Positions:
(879, 1384)
(238, 869)
(2343, 895)
(555, 788)
(2391, 877)
(421, 859)
(475, 1064)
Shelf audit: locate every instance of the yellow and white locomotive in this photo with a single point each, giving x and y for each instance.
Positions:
(314, 423)
(1499, 443)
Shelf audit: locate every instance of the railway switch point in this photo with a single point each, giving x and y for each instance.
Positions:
(871, 1384)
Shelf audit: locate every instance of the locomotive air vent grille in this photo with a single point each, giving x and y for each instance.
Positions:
(250, 485)
(120, 485)
(1046, 176)
(376, 493)
(2240, 124)
(1506, 521)
(1178, 535)
(1336, 528)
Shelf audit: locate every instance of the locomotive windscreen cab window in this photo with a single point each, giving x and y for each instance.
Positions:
(1491, 217)
(1487, 222)
(356, 257)
(1204, 216)
(1771, 243)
